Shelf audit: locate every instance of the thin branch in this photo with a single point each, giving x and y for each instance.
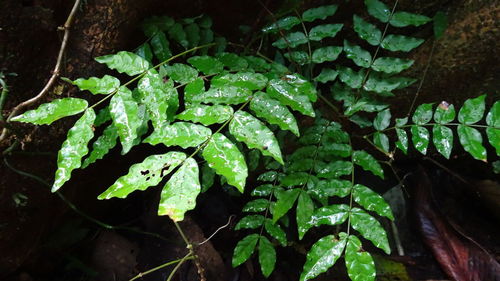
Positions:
(215, 232)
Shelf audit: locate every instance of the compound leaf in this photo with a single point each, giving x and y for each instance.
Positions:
(105, 85)
(420, 138)
(255, 206)
(181, 73)
(493, 132)
(206, 114)
(357, 54)
(323, 54)
(367, 162)
(286, 199)
(290, 95)
(321, 12)
(154, 94)
(445, 113)
(285, 23)
(124, 111)
(267, 256)
(378, 10)
(370, 228)
(382, 120)
(381, 140)
(305, 209)
(367, 31)
(359, 263)
(125, 62)
(273, 112)
(371, 201)
(275, 231)
(244, 249)
(443, 140)
(323, 31)
(250, 80)
(350, 77)
(472, 141)
(225, 94)
(206, 64)
(472, 111)
(402, 19)
(47, 113)
(391, 65)
(102, 145)
(400, 43)
(323, 255)
(423, 114)
(161, 46)
(291, 40)
(250, 222)
(326, 75)
(183, 134)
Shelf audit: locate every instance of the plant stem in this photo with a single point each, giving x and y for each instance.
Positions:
(188, 256)
(140, 275)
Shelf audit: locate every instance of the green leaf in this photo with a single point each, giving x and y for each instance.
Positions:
(382, 120)
(177, 33)
(250, 222)
(181, 73)
(285, 23)
(262, 190)
(445, 113)
(334, 169)
(330, 215)
(371, 201)
(329, 188)
(275, 231)
(183, 134)
(378, 10)
(370, 228)
(257, 64)
(329, 53)
(206, 64)
(145, 174)
(472, 141)
(291, 40)
(105, 85)
(47, 113)
(273, 112)
(381, 141)
(289, 95)
(391, 65)
(320, 32)
(192, 89)
(207, 177)
(379, 84)
(305, 209)
(402, 142)
(321, 12)
(420, 138)
(225, 158)
(367, 162)
(153, 24)
(367, 31)
(443, 140)
(179, 194)
(359, 263)
(493, 120)
(326, 75)
(251, 81)
(268, 176)
(423, 114)
(223, 95)
(267, 256)
(440, 23)
(125, 62)
(193, 34)
(402, 19)
(300, 57)
(244, 249)
(206, 114)
(255, 206)
(302, 86)
(472, 111)
(232, 61)
(124, 111)
(295, 179)
(74, 148)
(161, 46)
(250, 130)
(350, 77)
(102, 117)
(102, 145)
(323, 255)
(400, 43)
(154, 95)
(286, 199)
(357, 54)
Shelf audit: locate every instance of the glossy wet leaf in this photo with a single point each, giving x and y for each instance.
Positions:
(402, 19)
(324, 54)
(445, 113)
(423, 114)
(378, 10)
(323, 255)
(379, 84)
(367, 162)
(420, 138)
(125, 62)
(225, 158)
(102, 116)
(179, 194)
(142, 175)
(443, 140)
(105, 85)
(381, 140)
(334, 169)
(289, 95)
(47, 113)
(330, 215)
(291, 40)
(244, 249)
(359, 263)
(256, 206)
(305, 209)
(124, 111)
(206, 64)
(161, 46)
(183, 134)
(206, 114)
(400, 43)
(300, 57)
(286, 199)
(493, 120)
(275, 231)
(273, 112)
(295, 179)
(326, 75)
(74, 148)
(320, 32)
(472, 141)
(181, 73)
(192, 89)
(269, 176)
(207, 177)
(102, 145)
(350, 77)
(302, 86)
(285, 23)
(250, 222)
(472, 111)
(233, 61)
(371, 201)
(267, 256)
(357, 54)
(154, 95)
(250, 130)
(370, 228)
(262, 190)
(257, 64)
(249, 80)
(440, 24)
(329, 188)
(367, 31)
(382, 120)
(321, 12)
(391, 65)
(223, 95)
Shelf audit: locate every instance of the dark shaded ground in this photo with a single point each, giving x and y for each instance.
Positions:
(42, 238)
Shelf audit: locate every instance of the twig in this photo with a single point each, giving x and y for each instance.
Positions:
(188, 256)
(218, 229)
(141, 274)
(55, 73)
